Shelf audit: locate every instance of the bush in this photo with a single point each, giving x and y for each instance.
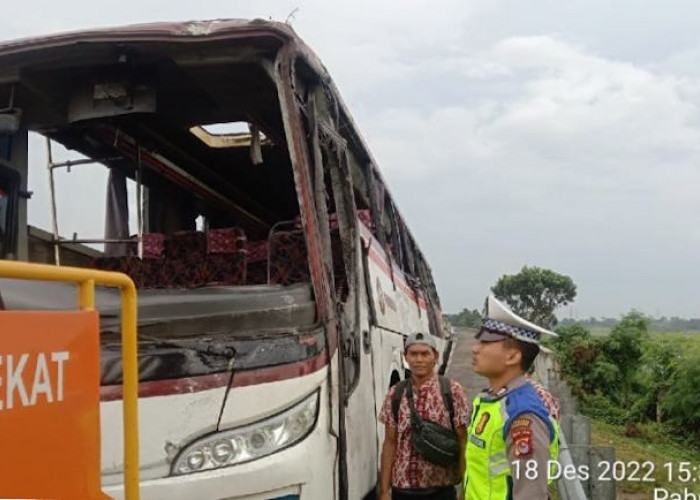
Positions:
(600, 407)
(681, 403)
(625, 379)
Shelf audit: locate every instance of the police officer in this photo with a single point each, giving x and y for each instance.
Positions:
(511, 436)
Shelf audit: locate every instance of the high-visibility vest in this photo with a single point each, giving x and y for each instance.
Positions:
(488, 475)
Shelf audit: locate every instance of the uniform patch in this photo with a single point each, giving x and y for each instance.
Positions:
(521, 434)
(485, 417)
(478, 442)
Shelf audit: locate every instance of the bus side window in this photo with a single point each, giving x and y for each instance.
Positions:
(9, 189)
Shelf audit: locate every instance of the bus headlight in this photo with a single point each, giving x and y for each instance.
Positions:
(243, 444)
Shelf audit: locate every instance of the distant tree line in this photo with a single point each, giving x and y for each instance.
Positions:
(662, 324)
(467, 318)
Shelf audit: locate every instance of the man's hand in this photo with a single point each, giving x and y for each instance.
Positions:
(385, 496)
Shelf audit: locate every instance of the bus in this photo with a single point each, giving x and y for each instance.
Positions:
(276, 276)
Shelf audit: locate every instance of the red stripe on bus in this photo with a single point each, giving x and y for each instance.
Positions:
(191, 385)
(378, 259)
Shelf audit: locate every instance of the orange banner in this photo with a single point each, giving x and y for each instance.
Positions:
(49, 405)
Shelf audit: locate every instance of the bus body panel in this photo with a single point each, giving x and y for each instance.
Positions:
(305, 469)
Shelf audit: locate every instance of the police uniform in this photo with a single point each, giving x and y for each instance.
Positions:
(511, 435)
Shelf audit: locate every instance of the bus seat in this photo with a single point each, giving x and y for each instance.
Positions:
(153, 245)
(224, 269)
(131, 266)
(288, 259)
(186, 272)
(256, 256)
(185, 245)
(226, 240)
(365, 217)
(225, 263)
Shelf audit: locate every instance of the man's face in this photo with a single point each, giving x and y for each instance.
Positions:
(493, 359)
(421, 359)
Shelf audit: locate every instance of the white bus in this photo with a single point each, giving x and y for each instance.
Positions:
(276, 276)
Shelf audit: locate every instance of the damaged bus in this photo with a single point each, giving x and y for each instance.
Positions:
(276, 276)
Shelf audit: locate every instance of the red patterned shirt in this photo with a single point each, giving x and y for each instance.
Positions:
(550, 402)
(410, 470)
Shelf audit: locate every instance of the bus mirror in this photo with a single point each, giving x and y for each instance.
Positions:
(9, 121)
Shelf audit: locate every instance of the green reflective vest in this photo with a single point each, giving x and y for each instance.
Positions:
(488, 475)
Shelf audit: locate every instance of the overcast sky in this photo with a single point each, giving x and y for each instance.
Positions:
(561, 134)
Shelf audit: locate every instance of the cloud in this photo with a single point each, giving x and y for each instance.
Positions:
(582, 163)
(504, 143)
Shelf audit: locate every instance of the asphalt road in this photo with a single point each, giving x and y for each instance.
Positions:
(460, 366)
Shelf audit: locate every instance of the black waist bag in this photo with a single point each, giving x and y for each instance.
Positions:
(432, 441)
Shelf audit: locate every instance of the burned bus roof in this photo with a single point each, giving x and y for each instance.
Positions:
(262, 31)
(183, 31)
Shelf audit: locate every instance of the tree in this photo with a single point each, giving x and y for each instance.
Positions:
(535, 293)
(624, 348)
(604, 371)
(658, 369)
(576, 350)
(467, 318)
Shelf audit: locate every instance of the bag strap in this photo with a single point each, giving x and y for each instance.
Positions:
(396, 398)
(404, 385)
(416, 419)
(446, 389)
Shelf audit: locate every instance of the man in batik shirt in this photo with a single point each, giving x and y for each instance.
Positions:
(404, 474)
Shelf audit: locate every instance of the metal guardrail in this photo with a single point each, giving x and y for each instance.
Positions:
(569, 489)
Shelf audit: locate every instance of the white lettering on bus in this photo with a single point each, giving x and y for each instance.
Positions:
(47, 380)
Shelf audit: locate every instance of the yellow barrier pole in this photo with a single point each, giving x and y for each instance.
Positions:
(86, 295)
(130, 382)
(86, 280)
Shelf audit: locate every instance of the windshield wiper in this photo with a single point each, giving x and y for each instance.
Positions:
(212, 348)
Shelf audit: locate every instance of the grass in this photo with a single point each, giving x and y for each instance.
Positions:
(656, 446)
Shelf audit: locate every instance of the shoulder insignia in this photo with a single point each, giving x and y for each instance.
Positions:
(521, 434)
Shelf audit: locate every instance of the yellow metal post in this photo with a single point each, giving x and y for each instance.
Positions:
(86, 295)
(130, 372)
(86, 279)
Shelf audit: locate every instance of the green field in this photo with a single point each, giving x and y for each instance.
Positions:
(689, 343)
